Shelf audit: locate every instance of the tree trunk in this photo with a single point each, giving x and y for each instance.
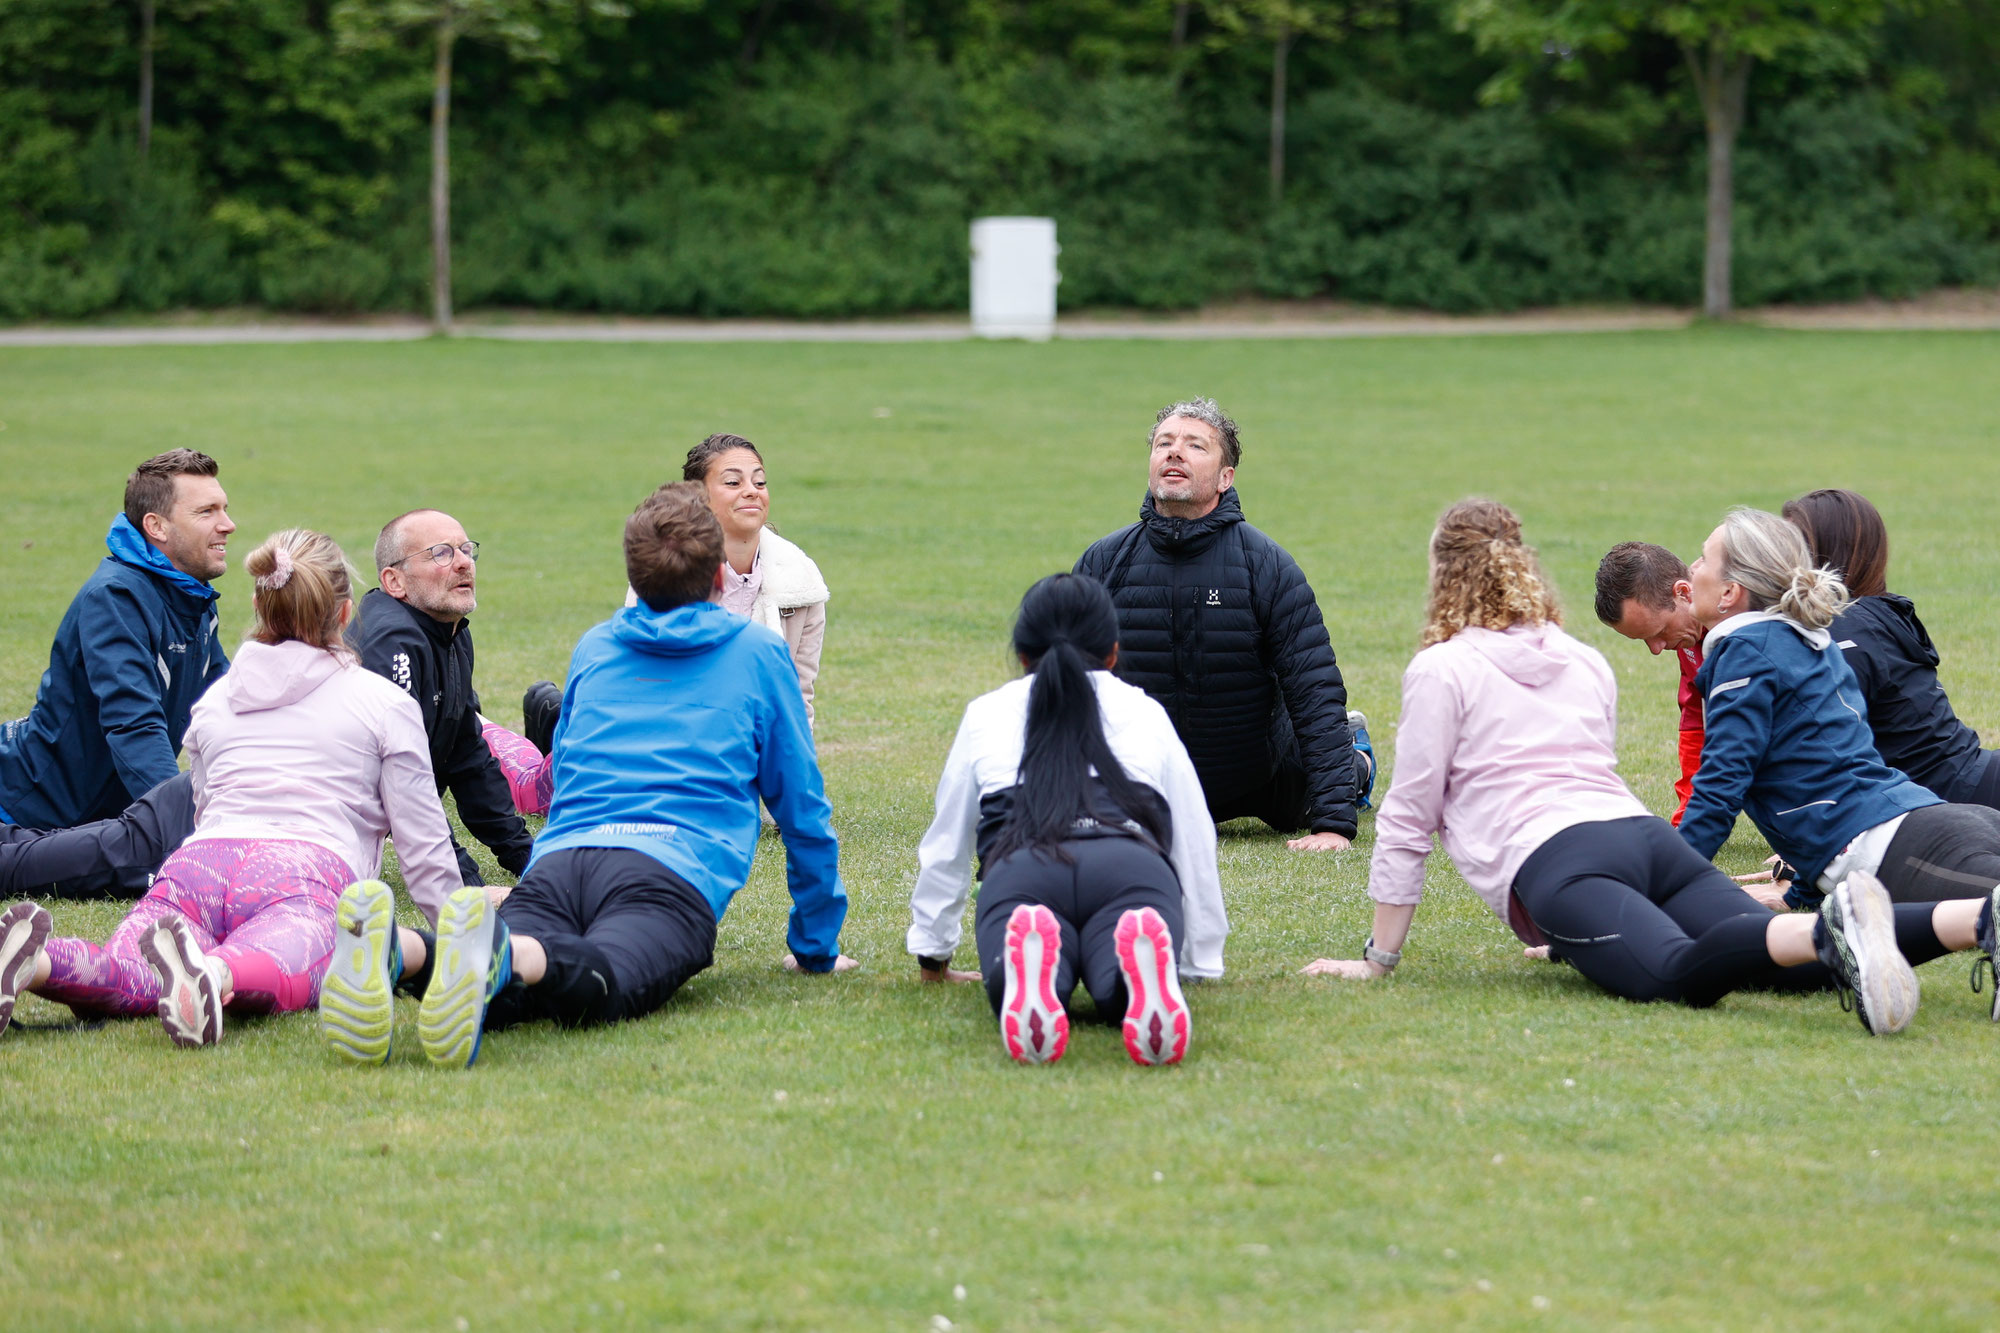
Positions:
(1723, 81)
(145, 79)
(1281, 51)
(441, 180)
(1181, 9)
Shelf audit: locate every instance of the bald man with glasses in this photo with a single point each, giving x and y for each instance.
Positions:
(413, 631)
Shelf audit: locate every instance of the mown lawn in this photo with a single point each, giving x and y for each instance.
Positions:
(1480, 1140)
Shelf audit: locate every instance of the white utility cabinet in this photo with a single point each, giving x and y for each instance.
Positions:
(1014, 278)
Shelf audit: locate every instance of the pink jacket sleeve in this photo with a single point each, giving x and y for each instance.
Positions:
(416, 818)
(1426, 736)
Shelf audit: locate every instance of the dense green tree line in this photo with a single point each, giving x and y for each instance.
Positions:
(822, 157)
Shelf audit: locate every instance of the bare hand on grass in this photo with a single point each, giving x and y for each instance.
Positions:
(1353, 969)
(946, 974)
(1319, 842)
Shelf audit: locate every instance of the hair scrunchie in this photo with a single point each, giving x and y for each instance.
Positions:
(281, 571)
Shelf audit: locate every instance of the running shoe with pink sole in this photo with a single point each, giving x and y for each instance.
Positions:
(1032, 1021)
(1156, 1017)
(190, 984)
(24, 929)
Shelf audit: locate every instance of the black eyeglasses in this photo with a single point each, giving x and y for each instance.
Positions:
(442, 553)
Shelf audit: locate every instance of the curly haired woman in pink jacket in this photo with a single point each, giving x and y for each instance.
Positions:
(302, 763)
(1506, 748)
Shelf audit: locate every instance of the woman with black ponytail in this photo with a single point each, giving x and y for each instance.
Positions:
(1096, 854)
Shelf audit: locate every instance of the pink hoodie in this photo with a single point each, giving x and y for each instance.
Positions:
(1506, 739)
(297, 743)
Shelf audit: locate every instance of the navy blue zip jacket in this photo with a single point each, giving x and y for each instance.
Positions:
(1218, 623)
(673, 724)
(134, 651)
(1787, 742)
(1890, 653)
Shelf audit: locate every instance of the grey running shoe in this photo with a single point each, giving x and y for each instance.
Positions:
(1856, 939)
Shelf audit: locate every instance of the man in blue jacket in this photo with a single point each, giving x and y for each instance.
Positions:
(133, 653)
(677, 718)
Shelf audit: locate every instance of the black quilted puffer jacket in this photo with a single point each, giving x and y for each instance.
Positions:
(1218, 623)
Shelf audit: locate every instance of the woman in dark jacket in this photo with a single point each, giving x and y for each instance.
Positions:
(1891, 654)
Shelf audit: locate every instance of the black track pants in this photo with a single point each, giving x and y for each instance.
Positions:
(1110, 876)
(111, 858)
(622, 933)
(1943, 851)
(1630, 905)
(1285, 802)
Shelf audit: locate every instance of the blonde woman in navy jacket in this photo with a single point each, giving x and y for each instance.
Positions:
(1788, 739)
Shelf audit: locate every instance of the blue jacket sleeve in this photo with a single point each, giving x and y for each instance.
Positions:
(788, 779)
(122, 670)
(1742, 693)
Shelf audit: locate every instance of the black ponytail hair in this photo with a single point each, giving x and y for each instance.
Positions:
(1067, 628)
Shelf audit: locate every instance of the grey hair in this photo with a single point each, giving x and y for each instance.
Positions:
(1770, 559)
(1204, 410)
(388, 545)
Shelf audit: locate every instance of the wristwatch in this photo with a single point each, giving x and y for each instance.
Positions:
(1382, 958)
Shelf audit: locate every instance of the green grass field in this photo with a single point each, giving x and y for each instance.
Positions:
(1479, 1140)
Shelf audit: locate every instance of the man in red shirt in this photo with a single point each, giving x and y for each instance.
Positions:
(1643, 592)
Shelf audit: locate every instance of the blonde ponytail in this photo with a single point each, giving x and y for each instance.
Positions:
(1769, 558)
(302, 581)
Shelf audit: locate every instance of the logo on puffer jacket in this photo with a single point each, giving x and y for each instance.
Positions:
(399, 671)
(1215, 597)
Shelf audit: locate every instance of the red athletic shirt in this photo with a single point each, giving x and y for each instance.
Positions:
(1691, 729)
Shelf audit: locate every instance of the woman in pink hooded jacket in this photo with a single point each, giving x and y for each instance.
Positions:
(302, 763)
(1506, 748)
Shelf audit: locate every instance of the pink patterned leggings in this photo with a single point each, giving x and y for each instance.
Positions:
(263, 906)
(530, 775)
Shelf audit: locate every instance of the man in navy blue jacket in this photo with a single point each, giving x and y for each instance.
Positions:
(678, 717)
(133, 653)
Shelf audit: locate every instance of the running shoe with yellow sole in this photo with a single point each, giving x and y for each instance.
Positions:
(357, 1001)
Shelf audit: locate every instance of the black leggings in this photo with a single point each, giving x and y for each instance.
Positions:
(111, 858)
(621, 931)
(1110, 876)
(1943, 851)
(1630, 905)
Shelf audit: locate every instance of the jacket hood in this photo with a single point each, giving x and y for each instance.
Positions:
(128, 546)
(1532, 655)
(1897, 615)
(1174, 534)
(693, 628)
(1817, 639)
(267, 675)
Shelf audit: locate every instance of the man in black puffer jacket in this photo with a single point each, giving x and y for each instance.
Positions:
(1218, 623)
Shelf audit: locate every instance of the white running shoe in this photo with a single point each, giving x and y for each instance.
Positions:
(1156, 1015)
(1857, 941)
(1033, 1024)
(191, 983)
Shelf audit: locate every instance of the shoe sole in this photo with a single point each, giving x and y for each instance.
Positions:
(190, 1005)
(24, 929)
(357, 1001)
(1885, 982)
(1033, 1025)
(1156, 1015)
(453, 1017)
